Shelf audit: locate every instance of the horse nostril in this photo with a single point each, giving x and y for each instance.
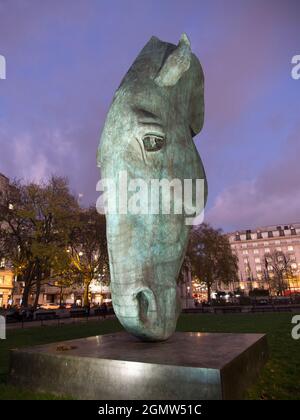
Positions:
(143, 305)
(146, 303)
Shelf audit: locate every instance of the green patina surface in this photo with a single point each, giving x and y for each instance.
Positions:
(148, 134)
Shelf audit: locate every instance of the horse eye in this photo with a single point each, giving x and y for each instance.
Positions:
(153, 142)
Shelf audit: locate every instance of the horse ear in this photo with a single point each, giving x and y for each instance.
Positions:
(176, 64)
(196, 105)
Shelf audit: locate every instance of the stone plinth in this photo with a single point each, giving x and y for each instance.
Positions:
(188, 366)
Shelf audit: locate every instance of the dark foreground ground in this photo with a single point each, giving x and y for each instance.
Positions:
(280, 378)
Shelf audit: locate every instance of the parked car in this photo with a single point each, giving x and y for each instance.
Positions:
(44, 314)
(13, 315)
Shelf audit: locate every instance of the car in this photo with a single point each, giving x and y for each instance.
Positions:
(49, 306)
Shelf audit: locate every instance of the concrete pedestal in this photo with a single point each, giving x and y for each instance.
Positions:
(117, 366)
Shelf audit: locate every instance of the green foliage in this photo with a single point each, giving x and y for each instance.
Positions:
(211, 257)
(42, 231)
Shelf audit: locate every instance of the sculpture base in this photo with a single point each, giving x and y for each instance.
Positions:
(188, 366)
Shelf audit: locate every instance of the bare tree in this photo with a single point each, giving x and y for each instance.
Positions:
(279, 270)
(88, 255)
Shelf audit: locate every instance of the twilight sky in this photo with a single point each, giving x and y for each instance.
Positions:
(65, 59)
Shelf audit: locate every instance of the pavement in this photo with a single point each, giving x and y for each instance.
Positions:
(56, 322)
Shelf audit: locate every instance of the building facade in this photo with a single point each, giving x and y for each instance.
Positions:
(6, 275)
(255, 250)
(6, 287)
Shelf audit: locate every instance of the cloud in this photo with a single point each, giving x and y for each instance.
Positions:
(272, 197)
(66, 59)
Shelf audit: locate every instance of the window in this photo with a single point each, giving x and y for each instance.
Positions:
(267, 250)
(244, 245)
(266, 243)
(245, 252)
(290, 248)
(2, 263)
(2, 280)
(277, 242)
(246, 260)
(258, 268)
(294, 266)
(255, 251)
(278, 249)
(248, 234)
(257, 260)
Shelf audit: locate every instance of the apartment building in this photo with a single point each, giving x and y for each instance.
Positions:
(254, 248)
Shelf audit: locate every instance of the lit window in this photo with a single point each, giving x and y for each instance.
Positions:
(290, 248)
(257, 260)
(267, 250)
(245, 252)
(258, 268)
(255, 251)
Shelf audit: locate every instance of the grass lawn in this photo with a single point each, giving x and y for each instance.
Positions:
(280, 378)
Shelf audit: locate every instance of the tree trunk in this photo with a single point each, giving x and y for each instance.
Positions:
(86, 300)
(61, 296)
(25, 295)
(208, 292)
(27, 279)
(37, 294)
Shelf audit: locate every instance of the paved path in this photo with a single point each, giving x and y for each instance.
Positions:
(56, 322)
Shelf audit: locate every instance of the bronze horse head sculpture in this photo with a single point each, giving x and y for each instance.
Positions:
(148, 134)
